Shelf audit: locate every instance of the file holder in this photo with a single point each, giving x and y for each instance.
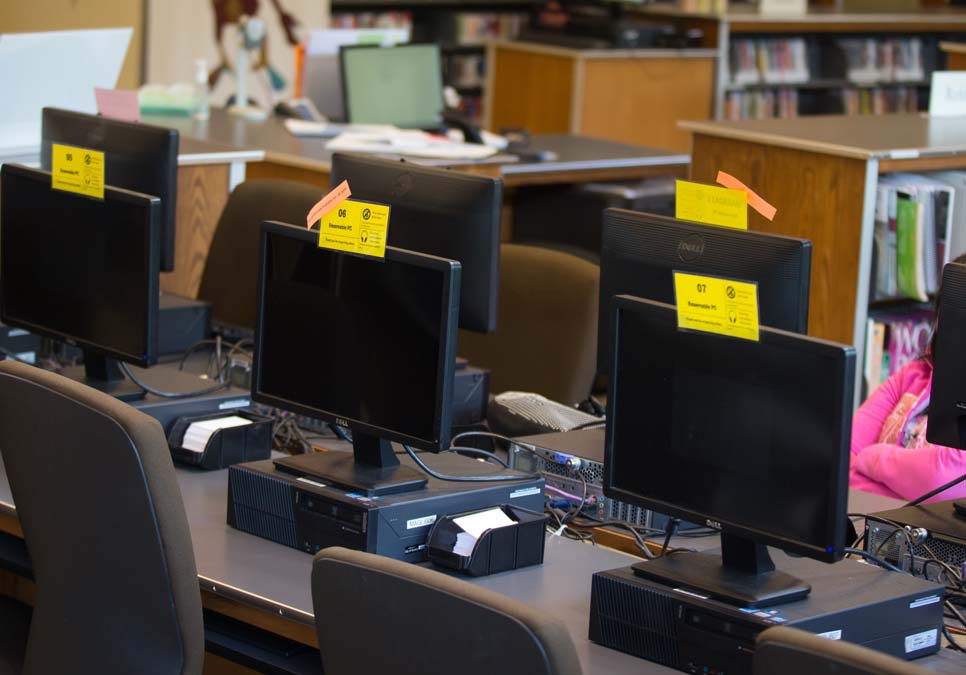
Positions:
(497, 550)
(227, 446)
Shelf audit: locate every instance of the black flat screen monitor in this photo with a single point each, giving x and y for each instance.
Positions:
(751, 438)
(640, 252)
(401, 85)
(363, 343)
(137, 157)
(443, 213)
(81, 270)
(947, 405)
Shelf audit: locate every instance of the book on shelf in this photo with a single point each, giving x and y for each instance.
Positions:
(769, 61)
(761, 104)
(894, 339)
(871, 60)
(913, 225)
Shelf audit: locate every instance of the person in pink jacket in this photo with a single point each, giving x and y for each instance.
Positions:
(890, 453)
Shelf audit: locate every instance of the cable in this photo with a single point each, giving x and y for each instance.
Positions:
(588, 425)
(879, 561)
(464, 479)
(583, 499)
(951, 640)
(487, 434)
(672, 526)
(481, 453)
(167, 394)
(959, 617)
(933, 493)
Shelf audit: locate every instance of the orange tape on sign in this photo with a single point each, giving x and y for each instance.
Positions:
(754, 200)
(339, 194)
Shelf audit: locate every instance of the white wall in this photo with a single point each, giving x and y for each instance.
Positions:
(181, 31)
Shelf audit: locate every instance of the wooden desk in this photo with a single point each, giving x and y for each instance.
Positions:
(627, 95)
(207, 173)
(955, 55)
(821, 173)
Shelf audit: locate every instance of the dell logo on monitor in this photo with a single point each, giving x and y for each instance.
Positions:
(341, 422)
(401, 185)
(690, 247)
(713, 524)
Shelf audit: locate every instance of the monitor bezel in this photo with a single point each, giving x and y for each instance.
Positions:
(168, 141)
(152, 205)
(347, 99)
(945, 407)
(835, 521)
(449, 309)
(343, 163)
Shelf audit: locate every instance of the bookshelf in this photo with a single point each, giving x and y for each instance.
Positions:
(832, 62)
(460, 27)
(822, 174)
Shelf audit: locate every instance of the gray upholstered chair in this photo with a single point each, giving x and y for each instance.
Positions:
(104, 522)
(546, 334)
(789, 651)
(231, 270)
(378, 615)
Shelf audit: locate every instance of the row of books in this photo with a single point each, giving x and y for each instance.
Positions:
(476, 27)
(892, 340)
(883, 60)
(761, 104)
(879, 100)
(372, 20)
(769, 61)
(920, 225)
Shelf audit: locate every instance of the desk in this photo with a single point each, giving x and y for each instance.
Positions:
(207, 172)
(626, 95)
(268, 585)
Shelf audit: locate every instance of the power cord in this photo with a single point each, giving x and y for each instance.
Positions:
(463, 479)
(941, 488)
(169, 394)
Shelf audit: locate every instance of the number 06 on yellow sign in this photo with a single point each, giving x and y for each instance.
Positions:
(355, 227)
(715, 305)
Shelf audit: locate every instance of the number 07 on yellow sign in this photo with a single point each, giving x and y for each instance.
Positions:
(715, 305)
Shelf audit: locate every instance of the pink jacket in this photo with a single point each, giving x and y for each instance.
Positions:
(892, 470)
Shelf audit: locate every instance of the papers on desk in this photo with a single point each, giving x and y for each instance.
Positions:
(198, 434)
(310, 129)
(474, 525)
(409, 143)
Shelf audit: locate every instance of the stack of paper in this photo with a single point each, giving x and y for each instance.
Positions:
(474, 525)
(198, 434)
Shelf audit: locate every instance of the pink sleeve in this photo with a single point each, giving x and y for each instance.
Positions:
(911, 472)
(868, 419)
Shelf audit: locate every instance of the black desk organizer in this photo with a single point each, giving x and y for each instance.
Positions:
(497, 550)
(226, 446)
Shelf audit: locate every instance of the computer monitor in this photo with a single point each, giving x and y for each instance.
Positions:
(83, 271)
(137, 157)
(401, 85)
(640, 252)
(750, 438)
(364, 343)
(947, 405)
(444, 213)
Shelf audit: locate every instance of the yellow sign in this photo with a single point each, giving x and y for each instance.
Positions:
(77, 170)
(716, 305)
(355, 227)
(711, 205)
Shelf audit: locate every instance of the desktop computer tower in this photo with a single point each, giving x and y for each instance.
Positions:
(306, 514)
(683, 629)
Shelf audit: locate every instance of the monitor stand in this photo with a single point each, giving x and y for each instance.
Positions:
(372, 469)
(104, 374)
(744, 575)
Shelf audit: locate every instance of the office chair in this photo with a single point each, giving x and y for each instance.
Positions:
(546, 336)
(231, 270)
(104, 522)
(790, 651)
(378, 615)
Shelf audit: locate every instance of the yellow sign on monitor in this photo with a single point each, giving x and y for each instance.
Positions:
(77, 170)
(711, 205)
(356, 227)
(715, 305)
